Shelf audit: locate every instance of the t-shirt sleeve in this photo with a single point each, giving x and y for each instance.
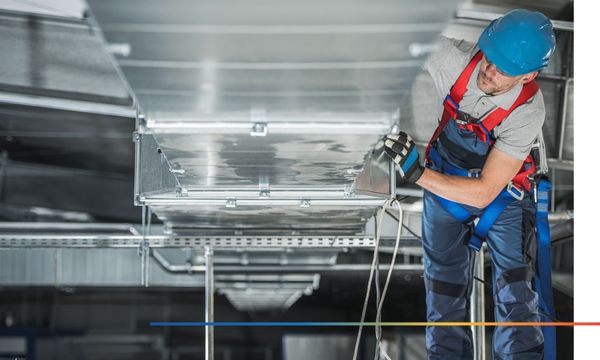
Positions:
(445, 64)
(519, 131)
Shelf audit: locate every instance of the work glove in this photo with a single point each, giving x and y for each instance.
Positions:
(403, 151)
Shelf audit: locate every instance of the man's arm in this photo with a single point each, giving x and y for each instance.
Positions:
(498, 170)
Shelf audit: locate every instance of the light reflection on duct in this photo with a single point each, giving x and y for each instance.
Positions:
(211, 164)
(207, 103)
(208, 91)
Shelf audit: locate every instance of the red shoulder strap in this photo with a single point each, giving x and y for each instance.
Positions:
(459, 88)
(496, 117)
(451, 102)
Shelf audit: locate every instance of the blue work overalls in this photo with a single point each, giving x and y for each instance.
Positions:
(512, 243)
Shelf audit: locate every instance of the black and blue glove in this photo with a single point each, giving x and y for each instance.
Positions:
(403, 151)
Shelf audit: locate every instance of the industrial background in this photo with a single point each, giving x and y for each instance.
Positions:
(166, 161)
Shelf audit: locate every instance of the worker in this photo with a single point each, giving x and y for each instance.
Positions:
(480, 164)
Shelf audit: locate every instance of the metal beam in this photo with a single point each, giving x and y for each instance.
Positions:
(561, 164)
(209, 302)
(23, 227)
(296, 269)
(67, 104)
(187, 201)
(197, 242)
(318, 268)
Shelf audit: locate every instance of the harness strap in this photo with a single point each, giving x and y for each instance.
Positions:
(451, 102)
(488, 218)
(455, 209)
(490, 214)
(495, 118)
(447, 168)
(543, 278)
(527, 169)
(480, 131)
(483, 129)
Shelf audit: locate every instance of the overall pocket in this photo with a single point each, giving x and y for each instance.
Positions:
(462, 147)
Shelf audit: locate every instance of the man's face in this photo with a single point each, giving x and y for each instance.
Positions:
(493, 82)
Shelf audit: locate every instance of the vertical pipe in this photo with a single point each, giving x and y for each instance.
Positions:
(377, 300)
(208, 304)
(563, 118)
(147, 247)
(58, 267)
(137, 138)
(478, 307)
(142, 248)
(392, 180)
(3, 166)
(553, 191)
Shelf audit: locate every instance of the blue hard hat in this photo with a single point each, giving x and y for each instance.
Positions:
(519, 42)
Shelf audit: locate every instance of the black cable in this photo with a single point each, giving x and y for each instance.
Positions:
(412, 232)
(404, 226)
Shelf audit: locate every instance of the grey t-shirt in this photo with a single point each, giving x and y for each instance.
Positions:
(519, 131)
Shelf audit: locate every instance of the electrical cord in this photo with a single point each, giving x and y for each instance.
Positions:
(374, 269)
(364, 309)
(389, 275)
(387, 281)
(377, 299)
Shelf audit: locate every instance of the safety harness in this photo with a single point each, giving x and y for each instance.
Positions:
(515, 190)
(482, 129)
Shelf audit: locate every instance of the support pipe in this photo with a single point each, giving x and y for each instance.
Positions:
(209, 289)
(281, 268)
(478, 306)
(563, 118)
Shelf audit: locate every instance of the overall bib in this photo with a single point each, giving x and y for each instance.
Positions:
(460, 147)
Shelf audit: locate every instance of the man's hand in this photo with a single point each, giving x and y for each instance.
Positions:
(403, 151)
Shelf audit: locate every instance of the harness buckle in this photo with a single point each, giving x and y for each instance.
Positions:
(449, 98)
(515, 192)
(473, 240)
(474, 173)
(450, 106)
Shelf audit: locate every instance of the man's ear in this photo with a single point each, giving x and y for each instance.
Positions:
(529, 77)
